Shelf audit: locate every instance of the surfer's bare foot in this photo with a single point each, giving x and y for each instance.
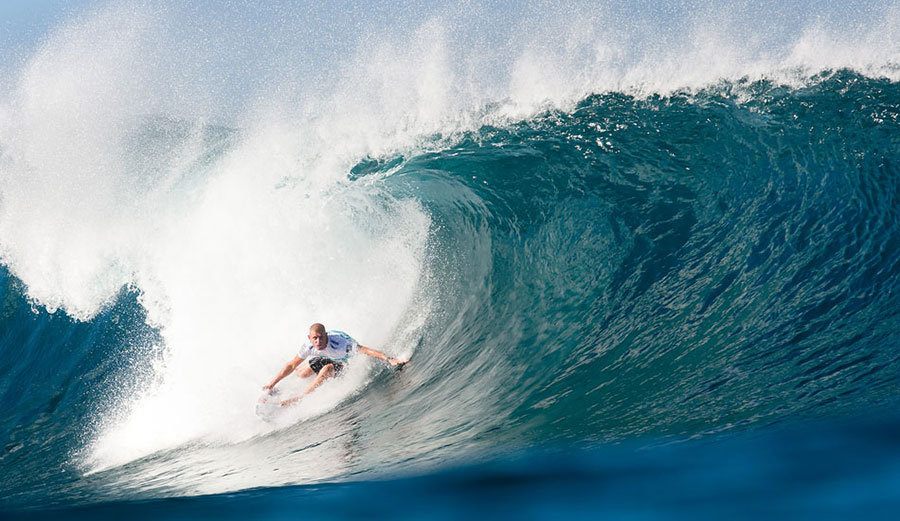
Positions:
(290, 401)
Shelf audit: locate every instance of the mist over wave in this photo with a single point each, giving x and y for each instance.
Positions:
(587, 224)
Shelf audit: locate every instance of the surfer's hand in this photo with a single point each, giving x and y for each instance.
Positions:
(398, 361)
(267, 387)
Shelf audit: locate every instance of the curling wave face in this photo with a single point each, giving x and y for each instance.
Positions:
(573, 255)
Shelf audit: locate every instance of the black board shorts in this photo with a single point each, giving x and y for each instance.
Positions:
(318, 362)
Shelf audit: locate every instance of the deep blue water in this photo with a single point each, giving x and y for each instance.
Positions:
(841, 472)
(679, 305)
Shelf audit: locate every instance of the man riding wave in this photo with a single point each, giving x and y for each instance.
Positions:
(325, 354)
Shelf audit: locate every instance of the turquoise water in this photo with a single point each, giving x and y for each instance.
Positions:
(628, 302)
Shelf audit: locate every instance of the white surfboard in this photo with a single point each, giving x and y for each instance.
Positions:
(268, 406)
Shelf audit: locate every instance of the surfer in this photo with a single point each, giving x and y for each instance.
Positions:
(325, 354)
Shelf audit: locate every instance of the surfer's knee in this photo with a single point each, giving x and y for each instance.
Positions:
(327, 371)
(304, 371)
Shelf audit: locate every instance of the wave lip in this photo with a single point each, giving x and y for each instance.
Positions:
(591, 238)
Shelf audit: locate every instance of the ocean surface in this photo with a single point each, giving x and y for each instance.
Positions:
(648, 276)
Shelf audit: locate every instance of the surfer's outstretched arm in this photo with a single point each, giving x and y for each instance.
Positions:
(288, 369)
(374, 353)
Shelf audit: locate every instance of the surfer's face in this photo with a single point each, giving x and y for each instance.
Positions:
(318, 340)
